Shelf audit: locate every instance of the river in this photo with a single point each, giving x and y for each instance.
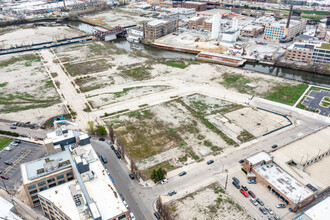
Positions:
(288, 73)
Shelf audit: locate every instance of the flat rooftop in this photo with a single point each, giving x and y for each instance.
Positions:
(212, 12)
(283, 182)
(250, 27)
(320, 211)
(5, 210)
(302, 46)
(282, 23)
(258, 157)
(156, 22)
(325, 46)
(29, 170)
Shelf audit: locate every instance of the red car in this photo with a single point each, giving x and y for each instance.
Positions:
(251, 194)
(4, 177)
(244, 193)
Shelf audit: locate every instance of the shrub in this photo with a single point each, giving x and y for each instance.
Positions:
(101, 131)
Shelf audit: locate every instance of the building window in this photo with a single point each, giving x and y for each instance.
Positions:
(31, 187)
(60, 177)
(69, 174)
(35, 203)
(61, 182)
(51, 180)
(41, 199)
(32, 192)
(43, 188)
(34, 197)
(41, 183)
(52, 185)
(71, 178)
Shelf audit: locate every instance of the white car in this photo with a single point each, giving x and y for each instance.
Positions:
(131, 215)
(125, 203)
(164, 181)
(254, 202)
(7, 148)
(269, 210)
(14, 144)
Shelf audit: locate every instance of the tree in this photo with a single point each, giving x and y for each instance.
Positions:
(91, 129)
(101, 131)
(157, 175)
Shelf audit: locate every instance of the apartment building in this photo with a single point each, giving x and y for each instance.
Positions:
(281, 184)
(207, 24)
(166, 4)
(278, 31)
(251, 31)
(300, 52)
(324, 31)
(196, 22)
(158, 28)
(321, 53)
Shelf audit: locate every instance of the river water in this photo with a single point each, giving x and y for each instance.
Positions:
(288, 73)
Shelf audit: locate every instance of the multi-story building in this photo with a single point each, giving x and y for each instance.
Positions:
(72, 183)
(207, 24)
(196, 22)
(292, 192)
(158, 28)
(300, 52)
(166, 4)
(278, 31)
(321, 53)
(198, 6)
(324, 31)
(251, 31)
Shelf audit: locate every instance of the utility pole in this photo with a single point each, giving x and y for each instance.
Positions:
(11, 197)
(226, 182)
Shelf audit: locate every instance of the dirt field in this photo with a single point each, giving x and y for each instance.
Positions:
(212, 202)
(26, 91)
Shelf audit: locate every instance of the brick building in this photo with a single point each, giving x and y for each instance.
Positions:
(300, 52)
(199, 6)
(207, 24)
(196, 22)
(158, 28)
(251, 31)
(277, 31)
(281, 184)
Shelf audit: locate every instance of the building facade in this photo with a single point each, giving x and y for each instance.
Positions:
(278, 31)
(199, 6)
(207, 24)
(158, 28)
(251, 31)
(300, 52)
(196, 23)
(321, 53)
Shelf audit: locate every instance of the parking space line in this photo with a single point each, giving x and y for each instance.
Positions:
(16, 161)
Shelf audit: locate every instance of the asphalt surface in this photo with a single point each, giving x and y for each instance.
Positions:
(313, 101)
(22, 153)
(34, 133)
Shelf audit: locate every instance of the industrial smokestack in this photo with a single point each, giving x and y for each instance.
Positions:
(289, 18)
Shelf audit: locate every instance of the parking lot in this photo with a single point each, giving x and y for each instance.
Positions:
(313, 101)
(261, 192)
(22, 153)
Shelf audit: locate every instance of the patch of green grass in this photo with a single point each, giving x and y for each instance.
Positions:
(237, 81)
(176, 63)
(124, 92)
(87, 67)
(325, 104)
(245, 136)
(29, 59)
(91, 83)
(137, 73)
(164, 165)
(286, 94)
(326, 99)
(312, 18)
(191, 152)
(142, 114)
(3, 84)
(301, 106)
(4, 142)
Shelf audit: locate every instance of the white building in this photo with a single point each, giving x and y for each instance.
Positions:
(6, 210)
(229, 37)
(320, 211)
(216, 26)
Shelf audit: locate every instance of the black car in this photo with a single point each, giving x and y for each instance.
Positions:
(17, 141)
(8, 163)
(210, 162)
(118, 155)
(101, 139)
(23, 135)
(131, 176)
(156, 214)
(112, 147)
(122, 197)
(245, 188)
(236, 180)
(259, 201)
(274, 146)
(116, 152)
(236, 185)
(12, 127)
(263, 210)
(241, 161)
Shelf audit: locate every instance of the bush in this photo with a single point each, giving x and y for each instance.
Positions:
(9, 133)
(101, 131)
(157, 175)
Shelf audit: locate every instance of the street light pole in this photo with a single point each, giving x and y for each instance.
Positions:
(226, 182)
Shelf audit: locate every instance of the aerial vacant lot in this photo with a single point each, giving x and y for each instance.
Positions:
(211, 202)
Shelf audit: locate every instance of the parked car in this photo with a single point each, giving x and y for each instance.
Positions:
(210, 162)
(254, 202)
(276, 217)
(23, 135)
(7, 148)
(104, 159)
(156, 214)
(251, 194)
(101, 139)
(270, 217)
(14, 144)
(252, 182)
(5, 177)
(245, 188)
(171, 193)
(12, 127)
(122, 197)
(263, 210)
(269, 210)
(8, 163)
(118, 155)
(164, 181)
(125, 204)
(280, 206)
(112, 147)
(236, 180)
(244, 192)
(236, 185)
(131, 176)
(182, 173)
(274, 146)
(241, 161)
(290, 210)
(260, 202)
(108, 142)
(17, 141)
(131, 215)
(116, 152)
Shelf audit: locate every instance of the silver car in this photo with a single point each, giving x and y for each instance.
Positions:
(254, 202)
